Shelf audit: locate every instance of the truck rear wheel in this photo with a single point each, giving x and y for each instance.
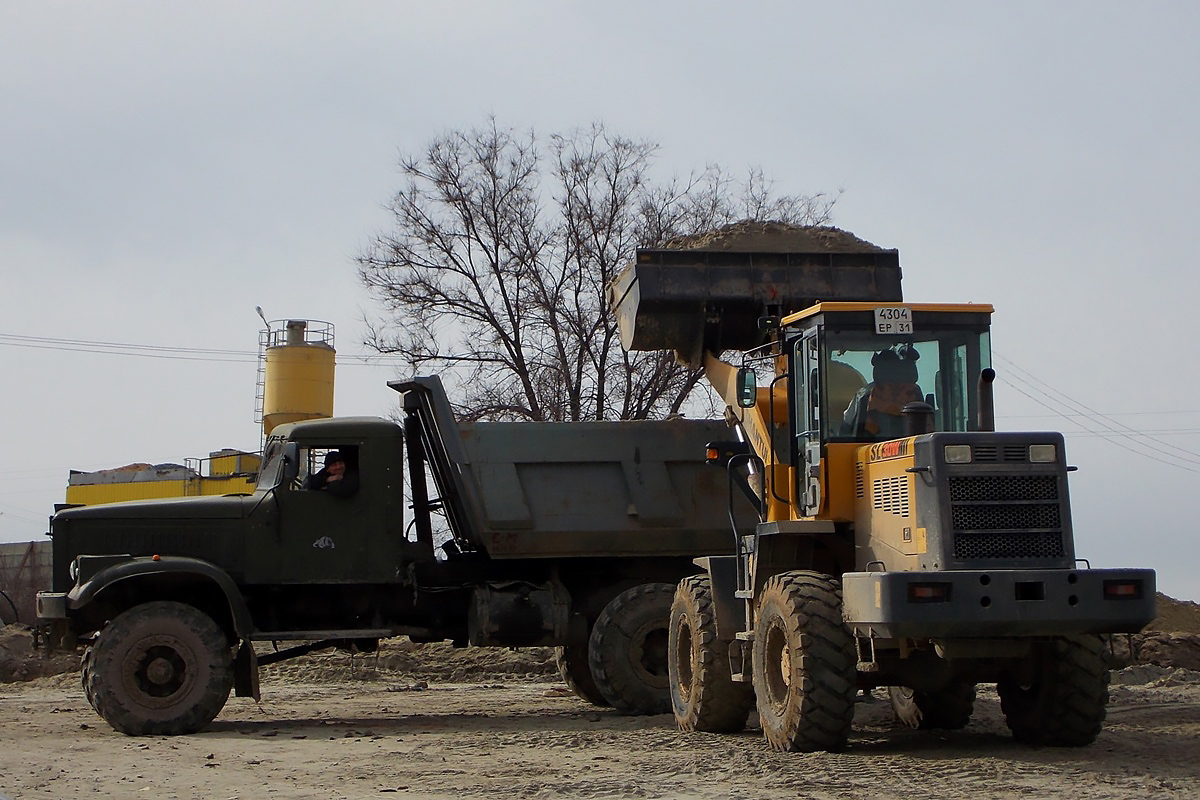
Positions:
(160, 669)
(628, 650)
(948, 708)
(1065, 703)
(703, 695)
(804, 663)
(576, 672)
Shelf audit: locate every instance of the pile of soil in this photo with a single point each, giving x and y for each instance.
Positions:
(1175, 616)
(774, 237)
(414, 664)
(396, 660)
(20, 662)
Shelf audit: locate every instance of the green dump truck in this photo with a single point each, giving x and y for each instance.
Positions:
(570, 535)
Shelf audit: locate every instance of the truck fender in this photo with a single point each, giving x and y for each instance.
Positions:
(86, 592)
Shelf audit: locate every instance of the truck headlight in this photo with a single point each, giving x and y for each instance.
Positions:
(957, 453)
(1043, 453)
(73, 570)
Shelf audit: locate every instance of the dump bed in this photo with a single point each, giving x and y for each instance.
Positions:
(555, 490)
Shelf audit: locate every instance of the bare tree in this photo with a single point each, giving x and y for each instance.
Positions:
(494, 273)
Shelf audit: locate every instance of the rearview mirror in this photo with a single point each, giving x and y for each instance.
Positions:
(291, 463)
(747, 387)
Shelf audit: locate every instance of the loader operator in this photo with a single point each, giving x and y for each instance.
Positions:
(335, 478)
(875, 411)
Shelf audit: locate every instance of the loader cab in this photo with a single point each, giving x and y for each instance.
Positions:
(854, 368)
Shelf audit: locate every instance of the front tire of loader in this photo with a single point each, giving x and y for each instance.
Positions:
(703, 695)
(1065, 702)
(160, 669)
(948, 708)
(804, 664)
(628, 650)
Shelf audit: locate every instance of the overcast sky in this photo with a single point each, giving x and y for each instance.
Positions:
(164, 168)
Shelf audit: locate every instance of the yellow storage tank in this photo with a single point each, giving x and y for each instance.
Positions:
(298, 364)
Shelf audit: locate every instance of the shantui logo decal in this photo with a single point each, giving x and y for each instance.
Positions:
(892, 449)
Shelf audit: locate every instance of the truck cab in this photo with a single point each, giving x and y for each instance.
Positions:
(324, 535)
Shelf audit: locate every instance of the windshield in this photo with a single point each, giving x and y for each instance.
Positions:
(871, 377)
(272, 468)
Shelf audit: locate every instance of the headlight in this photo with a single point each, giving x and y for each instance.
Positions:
(957, 453)
(1043, 453)
(73, 570)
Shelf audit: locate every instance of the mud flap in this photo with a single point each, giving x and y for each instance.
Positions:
(245, 672)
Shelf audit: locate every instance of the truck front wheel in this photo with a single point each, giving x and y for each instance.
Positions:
(703, 695)
(804, 663)
(160, 669)
(1065, 701)
(628, 650)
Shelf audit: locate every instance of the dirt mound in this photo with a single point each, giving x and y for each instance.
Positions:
(407, 662)
(1176, 616)
(20, 662)
(774, 237)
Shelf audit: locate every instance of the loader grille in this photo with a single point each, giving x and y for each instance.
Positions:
(1008, 452)
(1006, 516)
(984, 488)
(1007, 545)
(997, 517)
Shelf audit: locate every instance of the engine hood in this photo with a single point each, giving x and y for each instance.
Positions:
(223, 507)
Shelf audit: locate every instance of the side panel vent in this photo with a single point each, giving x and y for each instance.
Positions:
(891, 495)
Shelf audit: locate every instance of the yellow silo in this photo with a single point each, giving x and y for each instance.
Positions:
(297, 379)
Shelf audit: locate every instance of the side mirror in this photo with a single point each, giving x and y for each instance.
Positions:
(291, 463)
(747, 387)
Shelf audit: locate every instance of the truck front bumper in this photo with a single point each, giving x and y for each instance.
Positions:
(979, 604)
(54, 631)
(51, 606)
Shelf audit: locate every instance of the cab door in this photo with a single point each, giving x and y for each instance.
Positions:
(807, 419)
(320, 537)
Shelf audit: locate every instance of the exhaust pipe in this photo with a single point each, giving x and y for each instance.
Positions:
(987, 401)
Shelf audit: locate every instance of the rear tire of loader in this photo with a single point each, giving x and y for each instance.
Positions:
(1065, 703)
(576, 672)
(948, 708)
(805, 676)
(160, 669)
(628, 650)
(703, 695)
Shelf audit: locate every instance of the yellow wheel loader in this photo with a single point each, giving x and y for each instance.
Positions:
(902, 541)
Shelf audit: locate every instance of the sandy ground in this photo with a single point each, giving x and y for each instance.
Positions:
(367, 730)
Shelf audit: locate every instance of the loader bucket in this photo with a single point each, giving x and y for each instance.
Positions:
(696, 300)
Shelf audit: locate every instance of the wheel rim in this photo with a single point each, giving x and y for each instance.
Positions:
(649, 653)
(683, 659)
(158, 669)
(777, 669)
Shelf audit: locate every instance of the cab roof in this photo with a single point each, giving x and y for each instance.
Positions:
(833, 308)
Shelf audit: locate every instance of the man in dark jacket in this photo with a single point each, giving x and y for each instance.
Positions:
(336, 477)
